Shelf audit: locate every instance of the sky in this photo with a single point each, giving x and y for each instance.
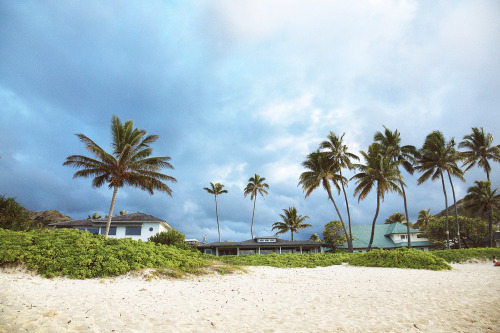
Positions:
(235, 88)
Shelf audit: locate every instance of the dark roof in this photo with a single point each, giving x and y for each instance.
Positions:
(128, 218)
(253, 243)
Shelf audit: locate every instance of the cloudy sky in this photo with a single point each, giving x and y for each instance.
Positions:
(235, 88)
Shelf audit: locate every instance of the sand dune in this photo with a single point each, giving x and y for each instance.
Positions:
(331, 299)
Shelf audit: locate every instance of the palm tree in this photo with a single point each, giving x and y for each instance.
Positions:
(434, 158)
(255, 186)
(291, 222)
(216, 189)
(480, 198)
(403, 155)
(379, 171)
(396, 217)
(423, 220)
(129, 164)
(454, 155)
(480, 150)
(337, 153)
(321, 172)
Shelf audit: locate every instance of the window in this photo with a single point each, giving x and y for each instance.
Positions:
(208, 251)
(93, 231)
(112, 231)
(151, 229)
(266, 240)
(246, 252)
(133, 231)
(266, 251)
(403, 236)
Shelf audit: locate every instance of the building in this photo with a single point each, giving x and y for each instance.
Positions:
(386, 236)
(262, 245)
(136, 226)
(496, 239)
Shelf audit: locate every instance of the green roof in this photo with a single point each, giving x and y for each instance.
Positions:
(381, 237)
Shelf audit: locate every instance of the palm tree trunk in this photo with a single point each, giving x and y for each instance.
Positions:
(110, 215)
(217, 214)
(456, 211)
(490, 226)
(253, 214)
(292, 234)
(446, 204)
(487, 175)
(373, 224)
(338, 212)
(406, 214)
(349, 238)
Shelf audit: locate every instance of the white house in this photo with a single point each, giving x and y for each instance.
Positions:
(136, 226)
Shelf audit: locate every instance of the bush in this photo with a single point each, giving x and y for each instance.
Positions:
(400, 258)
(463, 255)
(171, 237)
(13, 216)
(76, 254)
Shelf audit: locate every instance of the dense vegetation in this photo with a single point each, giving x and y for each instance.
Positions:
(80, 255)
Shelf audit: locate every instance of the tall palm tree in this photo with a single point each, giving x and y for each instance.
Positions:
(129, 164)
(480, 150)
(454, 155)
(321, 172)
(216, 189)
(379, 171)
(255, 186)
(402, 155)
(434, 158)
(480, 198)
(423, 220)
(291, 222)
(337, 153)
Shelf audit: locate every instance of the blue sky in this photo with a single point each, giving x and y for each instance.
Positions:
(235, 88)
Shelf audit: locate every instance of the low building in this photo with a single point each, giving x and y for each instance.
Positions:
(138, 226)
(192, 241)
(496, 238)
(262, 245)
(386, 236)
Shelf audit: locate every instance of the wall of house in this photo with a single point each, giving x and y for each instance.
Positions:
(148, 229)
(396, 238)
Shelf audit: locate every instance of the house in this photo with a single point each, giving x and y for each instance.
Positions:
(496, 239)
(386, 236)
(135, 225)
(262, 245)
(192, 241)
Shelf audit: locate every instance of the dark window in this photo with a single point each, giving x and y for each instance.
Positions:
(151, 229)
(93, 231)
(112, 231)
(133, 231)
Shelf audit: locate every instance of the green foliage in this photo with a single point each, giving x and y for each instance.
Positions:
(333, 234)
(463, 255)
(76, 254)
(400, 258)
(315, 237)
(395, 218)
(473, 231)
(13, 216)
(287, 260)
(171, 237)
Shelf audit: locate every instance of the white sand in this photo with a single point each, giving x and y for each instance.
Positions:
(331, 299)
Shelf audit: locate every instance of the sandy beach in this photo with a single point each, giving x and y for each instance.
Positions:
(331, 299)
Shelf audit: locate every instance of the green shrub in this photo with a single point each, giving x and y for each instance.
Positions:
(463, 255)
(76, 254)
(400, 258)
